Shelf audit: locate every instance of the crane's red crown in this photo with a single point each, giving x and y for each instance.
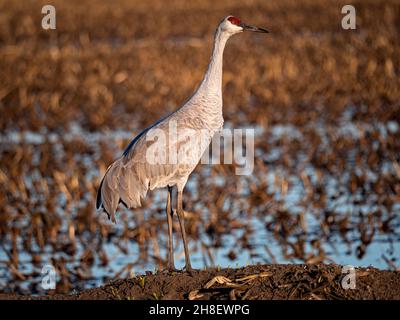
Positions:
(234, 20)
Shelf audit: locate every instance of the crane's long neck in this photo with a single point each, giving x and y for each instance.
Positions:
(212, 82)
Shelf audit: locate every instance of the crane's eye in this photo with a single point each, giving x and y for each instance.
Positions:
(234, 20)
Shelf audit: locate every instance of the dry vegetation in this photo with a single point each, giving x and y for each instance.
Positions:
(123, 64)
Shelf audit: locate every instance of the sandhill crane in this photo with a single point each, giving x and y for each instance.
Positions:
(128, 179)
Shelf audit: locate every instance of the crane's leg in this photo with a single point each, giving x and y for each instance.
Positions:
(181, 218)
(170, 213)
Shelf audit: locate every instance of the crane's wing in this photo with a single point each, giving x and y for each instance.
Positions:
(161, 155)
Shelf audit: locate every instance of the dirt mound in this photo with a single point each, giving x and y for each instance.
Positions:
(253, 282)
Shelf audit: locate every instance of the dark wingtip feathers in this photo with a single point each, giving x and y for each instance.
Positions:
(121, 201)
(99, 204)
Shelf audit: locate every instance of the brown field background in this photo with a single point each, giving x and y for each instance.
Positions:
(121, 65)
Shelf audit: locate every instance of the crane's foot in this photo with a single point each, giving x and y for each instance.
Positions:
(190, 270)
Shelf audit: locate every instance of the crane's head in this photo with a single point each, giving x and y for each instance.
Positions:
(233, 25)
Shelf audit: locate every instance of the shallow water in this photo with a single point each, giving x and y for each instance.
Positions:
(253, 233)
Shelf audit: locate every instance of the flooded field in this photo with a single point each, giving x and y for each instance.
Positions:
(324, 104)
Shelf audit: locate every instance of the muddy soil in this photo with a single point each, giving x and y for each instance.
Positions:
(279, 282)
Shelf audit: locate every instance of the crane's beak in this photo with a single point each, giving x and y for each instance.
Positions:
(246, 27)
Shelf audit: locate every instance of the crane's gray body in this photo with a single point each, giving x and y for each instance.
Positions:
(166, 153)
(129, 178)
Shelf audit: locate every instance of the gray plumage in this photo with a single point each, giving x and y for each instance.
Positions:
(130, 177)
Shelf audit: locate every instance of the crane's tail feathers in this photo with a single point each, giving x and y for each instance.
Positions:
(120, 185)
(99, 204)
